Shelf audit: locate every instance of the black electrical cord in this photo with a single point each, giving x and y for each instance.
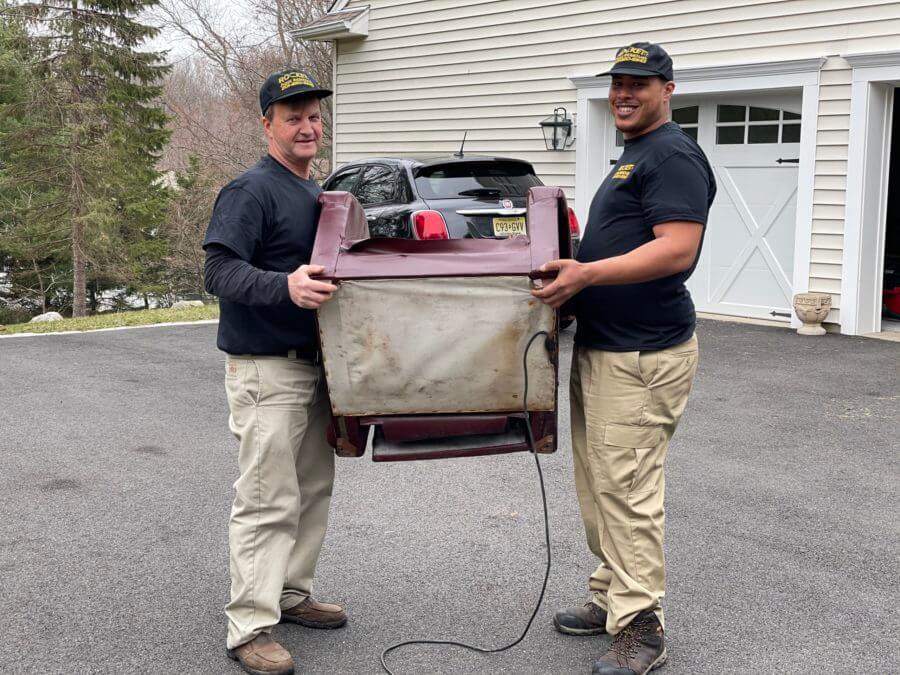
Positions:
(537, 463)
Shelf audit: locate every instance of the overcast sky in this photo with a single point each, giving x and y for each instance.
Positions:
(232, 15)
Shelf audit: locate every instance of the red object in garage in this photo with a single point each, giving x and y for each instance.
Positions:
(424, 340)
(891, 298)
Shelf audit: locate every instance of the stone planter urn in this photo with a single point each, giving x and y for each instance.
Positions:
(811, 309)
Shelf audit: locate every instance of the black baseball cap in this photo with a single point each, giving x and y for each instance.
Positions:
(642, 59)
(288, 83)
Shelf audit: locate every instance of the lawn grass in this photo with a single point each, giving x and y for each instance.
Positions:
(116, 319)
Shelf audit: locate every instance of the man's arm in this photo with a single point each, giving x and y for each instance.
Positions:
(673, 250)
(234, 233)
(228, 276)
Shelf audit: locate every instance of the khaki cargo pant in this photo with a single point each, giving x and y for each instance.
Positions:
(279, 413)
(625, 407)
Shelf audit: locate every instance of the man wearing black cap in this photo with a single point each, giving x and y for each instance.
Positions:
(635, 357)
(258, 247)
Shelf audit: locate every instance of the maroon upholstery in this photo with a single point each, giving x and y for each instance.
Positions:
(342, 221)
(343, 248)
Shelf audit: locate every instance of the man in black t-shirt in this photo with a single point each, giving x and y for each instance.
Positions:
(635, 356)
(258, 247)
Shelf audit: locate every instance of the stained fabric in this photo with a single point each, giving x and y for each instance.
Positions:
(435, 345)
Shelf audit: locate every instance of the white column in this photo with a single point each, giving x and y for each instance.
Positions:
(591, 148)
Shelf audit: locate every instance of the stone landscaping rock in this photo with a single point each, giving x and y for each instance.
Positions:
(49, 316)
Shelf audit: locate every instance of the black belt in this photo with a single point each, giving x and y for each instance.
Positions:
(305, 354)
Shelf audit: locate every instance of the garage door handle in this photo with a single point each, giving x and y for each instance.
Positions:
(788, 161)
(774, 313)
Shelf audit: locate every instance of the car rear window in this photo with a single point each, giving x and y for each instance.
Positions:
(449, 181)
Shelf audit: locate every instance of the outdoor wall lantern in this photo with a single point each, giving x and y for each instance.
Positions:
(559, 131)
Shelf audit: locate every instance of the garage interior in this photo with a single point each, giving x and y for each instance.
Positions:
(890, 316)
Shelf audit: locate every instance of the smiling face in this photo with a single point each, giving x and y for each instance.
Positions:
(294, 130)
(639, 104)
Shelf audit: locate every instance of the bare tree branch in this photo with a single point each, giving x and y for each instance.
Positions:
(213, 94)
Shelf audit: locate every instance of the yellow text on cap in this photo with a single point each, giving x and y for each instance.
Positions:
(294, 79)
(633, 54)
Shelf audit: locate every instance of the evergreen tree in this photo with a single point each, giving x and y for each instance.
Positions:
(90, 136)
(33, 249)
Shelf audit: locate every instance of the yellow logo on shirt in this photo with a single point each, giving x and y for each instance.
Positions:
(623, 172)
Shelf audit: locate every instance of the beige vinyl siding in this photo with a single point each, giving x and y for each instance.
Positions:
(714, 40)
(432, 69)
(830, 185)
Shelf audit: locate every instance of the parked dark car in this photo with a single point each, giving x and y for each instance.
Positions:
(442, 197)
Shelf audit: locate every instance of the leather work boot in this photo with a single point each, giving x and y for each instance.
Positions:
(314, 614)
(263, 656)
(587, 620)
(639, 648)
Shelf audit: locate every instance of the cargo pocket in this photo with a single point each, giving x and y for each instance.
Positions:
(627, 461)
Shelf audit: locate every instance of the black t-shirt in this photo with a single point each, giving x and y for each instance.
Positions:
(262, 228)
(662, 176)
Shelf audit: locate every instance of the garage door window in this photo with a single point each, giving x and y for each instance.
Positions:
(741, 125)
(687, 118)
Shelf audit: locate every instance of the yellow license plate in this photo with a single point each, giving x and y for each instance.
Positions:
(509, 227)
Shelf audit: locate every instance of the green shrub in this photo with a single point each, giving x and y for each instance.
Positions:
(9, 315)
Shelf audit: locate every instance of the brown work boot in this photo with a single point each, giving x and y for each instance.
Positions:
(639, 648)
(263, 656)
(587, 620)
(314, 614)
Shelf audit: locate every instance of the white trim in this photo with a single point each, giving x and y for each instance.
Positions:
(591, 141)
(850, 259)
(808, 69)
(594, 120)
(872, 59)
(334, 106)
(767, 69)
(717, 85)
(339, 28)
(338, 5)
(871, 100)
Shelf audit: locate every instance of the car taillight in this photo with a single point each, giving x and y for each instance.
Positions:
(429, 225)
(573, 223)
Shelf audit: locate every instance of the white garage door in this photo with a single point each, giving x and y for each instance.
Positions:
(753, 143)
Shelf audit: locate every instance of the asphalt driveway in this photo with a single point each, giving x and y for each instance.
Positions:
(115, 484)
